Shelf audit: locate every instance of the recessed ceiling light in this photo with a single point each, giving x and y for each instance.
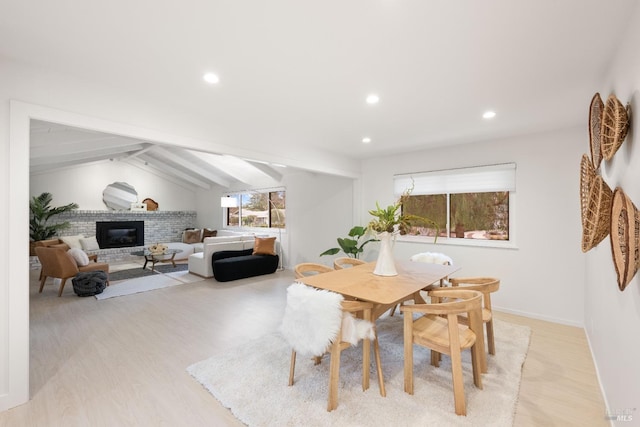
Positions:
(211, 78)
(373, 99)
(489, 115)
(366, 140)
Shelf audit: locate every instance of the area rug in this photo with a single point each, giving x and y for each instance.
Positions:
(132, 273)
(251, 380)
(148, 282)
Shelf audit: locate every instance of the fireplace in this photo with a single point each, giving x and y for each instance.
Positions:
(119, 234)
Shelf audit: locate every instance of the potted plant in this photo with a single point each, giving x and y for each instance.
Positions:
(386, 224)
(41, 213)
(351, 246)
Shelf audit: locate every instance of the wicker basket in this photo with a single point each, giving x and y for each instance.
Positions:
(598, 214)
(625, 237)
(595, 122)
(614, 127)
(587, 175)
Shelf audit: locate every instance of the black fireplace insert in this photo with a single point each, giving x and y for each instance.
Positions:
(119, 234)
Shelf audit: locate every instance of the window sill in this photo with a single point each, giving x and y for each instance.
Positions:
(501, 244)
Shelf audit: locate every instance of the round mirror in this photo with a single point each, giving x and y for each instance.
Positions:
(119, 196)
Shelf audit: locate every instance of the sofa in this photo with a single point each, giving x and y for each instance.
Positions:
(200, 262)
(240, 264)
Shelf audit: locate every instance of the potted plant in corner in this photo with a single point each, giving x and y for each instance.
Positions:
(389, 222)
(351, 246)
(41, 213)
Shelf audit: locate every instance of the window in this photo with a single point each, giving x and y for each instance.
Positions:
(258, 209)
(471, 203)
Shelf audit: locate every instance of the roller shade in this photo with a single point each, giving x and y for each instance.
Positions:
(481, 179)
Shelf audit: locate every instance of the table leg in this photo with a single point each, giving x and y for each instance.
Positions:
(146, 260)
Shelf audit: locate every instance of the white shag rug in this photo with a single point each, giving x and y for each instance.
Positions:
(251, 380)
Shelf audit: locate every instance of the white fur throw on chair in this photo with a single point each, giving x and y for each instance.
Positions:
(313, 318)
(432, 257)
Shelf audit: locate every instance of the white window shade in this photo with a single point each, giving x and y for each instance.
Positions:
(479, 179)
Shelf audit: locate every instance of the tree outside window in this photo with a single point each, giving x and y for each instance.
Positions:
(259, 210)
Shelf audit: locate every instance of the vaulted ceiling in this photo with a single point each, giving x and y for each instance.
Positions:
(295, 75)
(55, 146)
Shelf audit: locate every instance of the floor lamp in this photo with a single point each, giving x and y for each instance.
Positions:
(232, 202)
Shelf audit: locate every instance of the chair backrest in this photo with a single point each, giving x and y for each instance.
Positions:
(457, 301)
(309, 269)
(486, 285)
(56, 262)
(312, 319)
(346, 262)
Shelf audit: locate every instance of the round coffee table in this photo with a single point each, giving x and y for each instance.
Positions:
(167, 256)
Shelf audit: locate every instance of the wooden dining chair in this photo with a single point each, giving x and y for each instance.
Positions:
(310, 268)
(487, 286)
(318, 321)
(346, 262)
(438, 329)
(429, 258)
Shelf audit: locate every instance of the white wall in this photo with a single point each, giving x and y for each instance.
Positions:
(613, 316)
(544, 276)
(84, 185)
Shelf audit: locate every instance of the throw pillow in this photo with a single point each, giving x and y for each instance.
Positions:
(264, 246)
(73, 241)
(207, 232)
(89, 244)
(191, 236)
(79, 256)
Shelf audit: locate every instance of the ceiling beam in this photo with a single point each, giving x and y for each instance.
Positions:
(168, 169)
(174, 157)
(51, 156)
(153, 170)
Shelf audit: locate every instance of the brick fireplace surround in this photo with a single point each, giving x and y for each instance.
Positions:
(159, 227)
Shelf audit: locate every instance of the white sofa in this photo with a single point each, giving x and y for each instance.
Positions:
(200, 262)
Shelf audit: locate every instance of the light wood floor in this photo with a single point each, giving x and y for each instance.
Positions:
(122, 361)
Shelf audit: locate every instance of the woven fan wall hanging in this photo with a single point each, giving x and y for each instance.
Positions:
(595, 122)
(614, 127)
(587, 175)
(625, 236)
(597, 215)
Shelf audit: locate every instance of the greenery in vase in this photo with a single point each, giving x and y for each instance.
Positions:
(351, 246)
(391, 219)
(41, 212)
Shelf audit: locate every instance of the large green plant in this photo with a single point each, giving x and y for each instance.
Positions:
(41, 212)
(352, 245)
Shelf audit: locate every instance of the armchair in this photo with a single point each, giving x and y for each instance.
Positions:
(57, 263)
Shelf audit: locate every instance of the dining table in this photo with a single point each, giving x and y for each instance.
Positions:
(385, 292)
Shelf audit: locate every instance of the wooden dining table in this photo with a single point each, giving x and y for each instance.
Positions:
(384, 292)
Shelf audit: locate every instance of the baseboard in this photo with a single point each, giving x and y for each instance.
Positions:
(539, 317)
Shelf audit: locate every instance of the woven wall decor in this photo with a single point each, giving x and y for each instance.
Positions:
(625, 236)
(587, 175)
(152, 205)
(597, 215)
(614, 127)
(596, 110)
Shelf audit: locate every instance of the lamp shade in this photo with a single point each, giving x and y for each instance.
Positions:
(228, 202)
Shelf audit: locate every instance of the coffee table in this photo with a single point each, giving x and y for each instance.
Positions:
(167, 256)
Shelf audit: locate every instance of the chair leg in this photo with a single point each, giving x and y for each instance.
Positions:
(458, 382)
(334, 373)
(366, 363)
(435, 358)
(490, 341)
(408, 354)
(62, 287)
(476, 352)
(292, 369)
(42, 280)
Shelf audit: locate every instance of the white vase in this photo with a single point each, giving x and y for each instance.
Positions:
(385, 265)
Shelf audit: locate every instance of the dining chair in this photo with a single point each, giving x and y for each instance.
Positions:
(346, 262)
(57, 263)
(319, 321)
(310, 268)
(438, 329)
(487, 286)
(429, 258)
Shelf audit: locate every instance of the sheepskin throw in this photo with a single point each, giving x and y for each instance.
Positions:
(312, 319)
(432, 258)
